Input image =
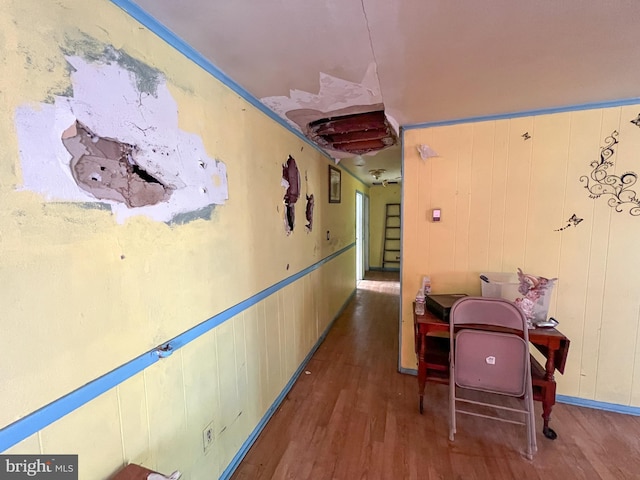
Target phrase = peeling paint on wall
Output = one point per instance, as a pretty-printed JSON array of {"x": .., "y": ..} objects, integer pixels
[
  {"x": 291, "y": 181},
  {"x": 309, "y": 212},
  {"x": 120, "y": 122}
]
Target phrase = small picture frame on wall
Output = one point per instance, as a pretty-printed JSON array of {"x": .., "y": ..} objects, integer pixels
[{"x": 335, "y": 184}]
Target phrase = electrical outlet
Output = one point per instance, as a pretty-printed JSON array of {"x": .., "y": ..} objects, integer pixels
[{"x": 207, "y": 436}]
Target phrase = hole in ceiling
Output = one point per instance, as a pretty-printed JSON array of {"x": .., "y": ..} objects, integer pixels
[{"x": 355, "y": 134}]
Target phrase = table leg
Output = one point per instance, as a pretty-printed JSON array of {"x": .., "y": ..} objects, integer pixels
[
  {"x": 422, "y": 371},
  {"x": 549, "y": 398}
]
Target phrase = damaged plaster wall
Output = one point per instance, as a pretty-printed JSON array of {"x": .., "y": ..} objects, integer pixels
[
  {"x": 309, "y": 212},
  {"x": 83, "y": 295},
  {"x": 336, "y": 96},
  {"x": 291, "y": 181},
  {"x": 105, "y": 168},
  {"x": 128, "y": 151}
]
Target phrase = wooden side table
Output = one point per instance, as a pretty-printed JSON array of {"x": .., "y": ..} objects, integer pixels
[{"x": 432, "y": 350}]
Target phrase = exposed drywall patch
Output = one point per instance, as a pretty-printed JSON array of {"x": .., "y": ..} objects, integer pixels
[
  {"x": 107, "y": 170},
  {"x": 335, "y": 97},
  {"x": 291, "y": 181},
  {"x": 120, "y": 100}
]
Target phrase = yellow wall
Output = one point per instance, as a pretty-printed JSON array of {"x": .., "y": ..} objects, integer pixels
[
  {"x": 503, "y": 200},
  {"x": 230, "y": 375},
  {"x": 379, "y": 196},
  {"x": 82, "y": 294}
]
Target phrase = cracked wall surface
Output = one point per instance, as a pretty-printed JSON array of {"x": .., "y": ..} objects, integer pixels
[{"x": 116, "y": 106}]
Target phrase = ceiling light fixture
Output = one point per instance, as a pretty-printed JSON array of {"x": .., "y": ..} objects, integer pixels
[{"x": 377, "y": 173}]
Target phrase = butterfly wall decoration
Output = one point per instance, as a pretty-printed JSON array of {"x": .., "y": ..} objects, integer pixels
[{"x": 572, "y": 222}]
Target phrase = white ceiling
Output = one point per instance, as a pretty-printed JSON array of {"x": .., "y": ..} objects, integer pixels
[{"x": 434, "y": 60}]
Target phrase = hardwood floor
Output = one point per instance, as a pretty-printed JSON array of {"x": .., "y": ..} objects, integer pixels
[{"x": 355, "y": 417}]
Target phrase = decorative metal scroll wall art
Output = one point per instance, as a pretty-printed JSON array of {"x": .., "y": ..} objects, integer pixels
[{"x": 617, "y": 188}]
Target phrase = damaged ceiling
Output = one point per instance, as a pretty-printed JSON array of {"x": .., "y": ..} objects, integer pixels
[
  {"x": 355, "y": 134},
  {"x": 418, "y": 61}
]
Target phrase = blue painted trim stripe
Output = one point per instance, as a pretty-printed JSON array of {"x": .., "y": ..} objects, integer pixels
[
  {"x": 186, "y": 337},
  {"x": 36, "y": 421},
  {"x": 39, "y": 419},
  {"x": 196, "y": 57},
  {"x": 609, "y": 407},
  {"x": 381, "y": 269},
  {"x": 409, "y": 371},
  {"x": 244, "y": 449},
  {"x": 526, "y": 113}
]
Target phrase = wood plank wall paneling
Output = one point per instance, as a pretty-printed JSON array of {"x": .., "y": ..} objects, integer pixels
[
  {"x": 230, "y": 376},
  {"x": 480, "y": 194},
  {"x": 517, "y": 194},
  {"x": 620, "y": 308},
  {"x": 506, "y": 200},
  {"x": 497, "y": 189}
]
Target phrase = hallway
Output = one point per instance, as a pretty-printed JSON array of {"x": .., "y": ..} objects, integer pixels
[{"x": 351, "y": 415}]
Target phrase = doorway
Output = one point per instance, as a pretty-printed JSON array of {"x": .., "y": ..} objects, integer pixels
[{"x": 362, "y": 237}]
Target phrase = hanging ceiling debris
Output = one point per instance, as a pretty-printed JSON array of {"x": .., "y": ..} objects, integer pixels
[
  {"x": 355, "y": 134},
  {"x": 344, "y": 118}
]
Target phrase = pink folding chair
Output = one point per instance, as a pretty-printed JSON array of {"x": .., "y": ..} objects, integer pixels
[{"x": 489, "y": 341}]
